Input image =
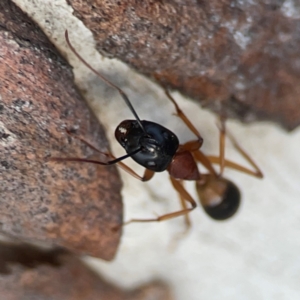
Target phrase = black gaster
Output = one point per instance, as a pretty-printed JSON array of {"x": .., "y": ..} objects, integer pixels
[
  {"x": 158, "y": 145},
  {"x": 229, "y": 205}
]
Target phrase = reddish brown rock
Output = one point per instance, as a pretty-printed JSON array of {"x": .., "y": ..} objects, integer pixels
[
  {"x": 73, "y": 205},
  {"x": 30, "y": 273},
  {"x": 236, "y": 57}
]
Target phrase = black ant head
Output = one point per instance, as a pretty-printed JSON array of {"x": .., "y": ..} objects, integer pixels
[
  {"x": 157, "y": 144},
  {"x": 219, "y": 196}
]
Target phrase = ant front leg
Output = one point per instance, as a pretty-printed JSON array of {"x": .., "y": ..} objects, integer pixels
[
  {"x": 192, "y": 145},
  {"x": 148, "y": 174},
  {"x": 183, "y": 195}
]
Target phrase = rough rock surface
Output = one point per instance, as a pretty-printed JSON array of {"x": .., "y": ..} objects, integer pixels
[
  {"x": 238, "y": 58},
  {"x": 27, "y": 273},
  {"x": 74, "y": 205}
]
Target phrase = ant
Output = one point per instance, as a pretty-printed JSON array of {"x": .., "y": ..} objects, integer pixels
[{"x": 157, "y": 149}]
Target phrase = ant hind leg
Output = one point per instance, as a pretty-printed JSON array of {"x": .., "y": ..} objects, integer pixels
[{"x": 183, "y": 194}]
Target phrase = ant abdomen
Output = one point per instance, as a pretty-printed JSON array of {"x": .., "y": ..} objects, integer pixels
[{"x": 219, "y": 197}]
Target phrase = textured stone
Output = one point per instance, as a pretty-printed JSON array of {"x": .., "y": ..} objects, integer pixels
[
  {"x": 73, "y": 205},
  {"x": 27, "y": 273},
  {"x": 238, "y": 58}
]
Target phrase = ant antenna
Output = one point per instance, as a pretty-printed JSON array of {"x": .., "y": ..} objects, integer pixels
[{"x": 124, "y": 96}]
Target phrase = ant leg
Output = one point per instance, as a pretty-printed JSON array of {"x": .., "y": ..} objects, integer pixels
[
  {"x": 180, "y": 235},
  {"x": 245, "y": 155},
  {"x": 205, "y": 161},
  {"x": 222, "y": 129},
  {"x": 235, "y": 166},
  {"x": 183, "y": 193},
  {"x": 193, "y": 147},
  {"x": 108, "y": 163},
  {"x": 84, "y": 142},
  {"x": 148, "y": 174},
  {"x": 223, "y": 162},
  {"x": 186, "y": 120},
  {"x": 186, "y": 216}
]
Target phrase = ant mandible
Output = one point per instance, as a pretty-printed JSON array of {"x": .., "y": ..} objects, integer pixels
[{"x": 157, "y": 149}]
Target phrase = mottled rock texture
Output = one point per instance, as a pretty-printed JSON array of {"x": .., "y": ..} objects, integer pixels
[
  {"x": 27, "y": 273},
  {"x": 72, "y": 205},
  {"x": 239, "y": 58}
]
